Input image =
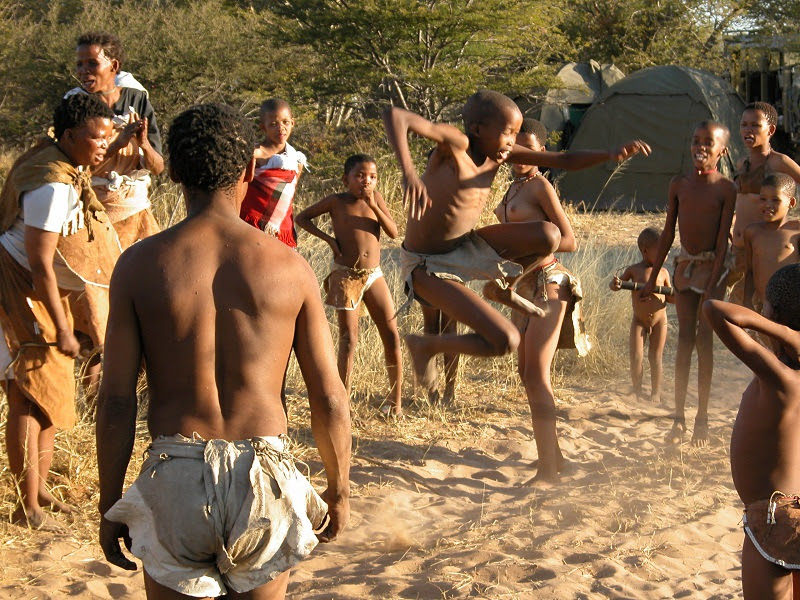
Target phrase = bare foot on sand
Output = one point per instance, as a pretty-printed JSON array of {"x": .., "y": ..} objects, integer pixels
[
  {"x": 675, "y": 435},
  {"x": 47, "y": 499},
  {"x": 36, "y": 518},
  {"x": 390, "y": 411},
  {"x": 700, "y": 434},
  {"x": 655, "y": 398},
  {"x": 423, "y": 361},
  {"x": 543, "y": 481},
  {"x": 510, "y": 298}
]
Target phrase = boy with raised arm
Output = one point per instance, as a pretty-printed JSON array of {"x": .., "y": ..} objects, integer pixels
[
  {"x": 701, "y": 203},
  {"x": 219, "y": 504},
  {"x": 442, "y": 250},
  {"x": 358, "y": 216},
  {"x": 765, "y": 462},
  {"x": 773, "y": 242},
  {"x": 649, "y": 319},
  {"x": 758, "y": 124}
]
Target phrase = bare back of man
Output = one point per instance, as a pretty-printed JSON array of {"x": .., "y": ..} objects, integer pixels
[{"x": 214, "y": 307}]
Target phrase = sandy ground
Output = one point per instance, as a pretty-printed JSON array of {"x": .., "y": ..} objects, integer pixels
[{"x": 446, "y": 517}]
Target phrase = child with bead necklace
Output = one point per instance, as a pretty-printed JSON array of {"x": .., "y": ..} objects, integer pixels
[
  {"x": 552, "y": 287},
  {"x": 702, "y": 204}
]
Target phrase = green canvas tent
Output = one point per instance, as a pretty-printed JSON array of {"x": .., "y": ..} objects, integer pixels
[
  {"x": 564, "y": 107},
  {"x": 660, "y": 105}
]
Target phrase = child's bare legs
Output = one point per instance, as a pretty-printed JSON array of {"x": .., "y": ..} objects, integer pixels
[
  {"x": 29, "y": 443},
  {"x": 379, "y": 303},
  {"x": 434, "y": 322},
  {"x": 705, "y": 372},
  {"x": 513, "y": 241},
  {"x": 655, "y": 353},
  {"x": 348, "y": 338},
  {"x": 494, "y": 335},
  {"x": 637, "y": 336},
  {"x": 686, "y": 306},
  {"x": 449, "y": 327},
  {"x": 535, "y": 359},
  {"x": 762, "y": 579}
]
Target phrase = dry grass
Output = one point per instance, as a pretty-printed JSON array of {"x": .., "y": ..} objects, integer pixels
[{"x": 607, "y": 243}]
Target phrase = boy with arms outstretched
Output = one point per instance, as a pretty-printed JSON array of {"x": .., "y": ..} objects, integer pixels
[
  {"x": 758, "y": 124},
  {"x": 773, "y": 242},
  {"x": 219, "y": 504},
  {"x": 765, "y": 443},
  {"x": 358, "y": 216},
  {"x": 442, "y": 250},
  {"x": 701, "y": 203},
  {"x": 649, "y": 314}
]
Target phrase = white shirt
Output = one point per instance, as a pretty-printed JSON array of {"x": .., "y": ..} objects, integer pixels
[{"x": 53, "y": 207}]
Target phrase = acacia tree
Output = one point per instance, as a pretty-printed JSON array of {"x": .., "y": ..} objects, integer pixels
[
  {"x": 640, "y": 33},
  {"x": 424, "y": 55}
]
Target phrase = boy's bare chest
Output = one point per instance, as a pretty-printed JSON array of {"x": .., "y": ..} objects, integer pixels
[{"x": 779, "y": 245}]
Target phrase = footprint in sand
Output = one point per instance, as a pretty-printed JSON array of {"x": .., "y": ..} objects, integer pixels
[{"x": 490, "y": 475}]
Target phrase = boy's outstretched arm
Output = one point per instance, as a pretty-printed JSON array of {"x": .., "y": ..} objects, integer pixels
[
  {"x": 574, "y": 160},
  {"x": 666, "y": 239},
  {"x": 304, "y": 221},
  {"x": 398, "y": 123},
  {"x": 730, "y": 321},
  {"x": 378, "y": 206}
]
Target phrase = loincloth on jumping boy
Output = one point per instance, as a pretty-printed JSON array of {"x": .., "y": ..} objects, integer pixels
[
  {"x": 473, "y": 259},
  {"x": 693, "y": 271},
  {"x": 205, "y": 516},
  {"x": 774, "y": 528},
  {"x": 533, "y": 286},
  {"x": 345, "y": 286}
]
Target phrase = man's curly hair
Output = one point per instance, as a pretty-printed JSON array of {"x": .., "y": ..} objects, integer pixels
[
  {"x": 769, "y": 111},
  {"x": 108, "y": 42},
  {"x": 782, "y": 294},
  {"x": 209, "y": 146},
  {"x": 76, "y": 110}
]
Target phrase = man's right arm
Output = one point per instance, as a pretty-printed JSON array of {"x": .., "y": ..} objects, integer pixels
[
  {"x": 330, "y": 405},
  {"x": 116, "y": 407}
]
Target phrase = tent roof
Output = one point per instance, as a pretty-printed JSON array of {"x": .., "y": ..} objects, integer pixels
[
  {"x": 583, "y": 82},
  {"x": 660, "y": 105}
]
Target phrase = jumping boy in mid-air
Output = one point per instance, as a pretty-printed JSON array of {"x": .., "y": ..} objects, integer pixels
[
  {"x": 765, "y": 462},
  {"x": 701, "y": 203},
  {"x": 758, "y": 124},
  {"x": 268, "y": 203},
  {"x": 442, "y": 250},
  {"x": 358, "y": 216},
  {"x": 649, "y": 314},
  {"x": 772, "y": 243}
]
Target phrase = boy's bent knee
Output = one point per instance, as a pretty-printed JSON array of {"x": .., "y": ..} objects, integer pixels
[{"x": 552, "y": 236}]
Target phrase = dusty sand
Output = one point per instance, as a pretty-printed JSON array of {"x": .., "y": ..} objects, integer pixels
[{"x": 445, "y": 516}]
